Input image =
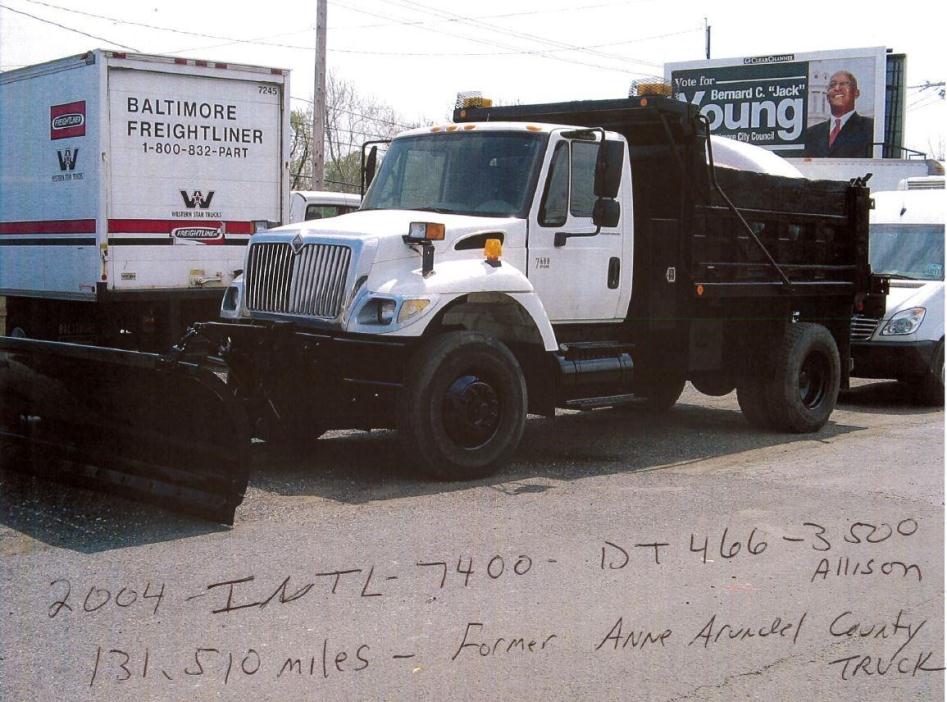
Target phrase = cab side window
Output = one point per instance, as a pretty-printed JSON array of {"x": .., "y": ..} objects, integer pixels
[{"x": 555, "y": 205}]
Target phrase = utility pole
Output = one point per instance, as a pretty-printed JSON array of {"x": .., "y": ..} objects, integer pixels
[
  {"x": 707, "y": 32},
  {"x": 317, "y": 144}
]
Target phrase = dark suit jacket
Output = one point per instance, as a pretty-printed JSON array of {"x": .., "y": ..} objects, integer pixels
[{"x": 853, "y": 141}]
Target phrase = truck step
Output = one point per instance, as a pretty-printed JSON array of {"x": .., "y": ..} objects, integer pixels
[
  {"x": 591, "y": 403},
  {"x": 591, "y": 349}
]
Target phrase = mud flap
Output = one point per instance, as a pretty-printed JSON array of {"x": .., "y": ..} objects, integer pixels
[{"x": 146, "y": 426}]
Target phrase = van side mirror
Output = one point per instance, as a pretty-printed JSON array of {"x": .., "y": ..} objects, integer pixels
[
  {"x": 608, "y": 167},
  {"x": 606, "y": 213}
]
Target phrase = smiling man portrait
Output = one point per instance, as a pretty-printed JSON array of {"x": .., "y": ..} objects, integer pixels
[{"x": 847, "y": 134}]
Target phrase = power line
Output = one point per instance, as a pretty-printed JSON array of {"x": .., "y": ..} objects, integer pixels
[
  {"x": 68, "y": 29},
  {"x": 512, "y": 33},
  {"x": 356, "y": 114},
  {"x": 517, "y": 53},
  {"x": 400, "y": 21},
  {"x": 145, "y": 25},
  {"x": 488, "y": 42},
  {"x": 505, "y": 15}
]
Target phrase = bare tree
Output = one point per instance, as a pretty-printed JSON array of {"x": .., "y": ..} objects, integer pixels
[{"x": 351, "y": 120}]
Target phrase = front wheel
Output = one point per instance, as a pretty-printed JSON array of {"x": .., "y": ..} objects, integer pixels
[
  {"x": 930, "y": 389},
  {"x": 463, "y": 407},
  {"x": 805, "y": 385}
]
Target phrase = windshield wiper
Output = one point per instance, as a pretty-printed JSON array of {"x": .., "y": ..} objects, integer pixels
[{"x": 438, "y": 210}]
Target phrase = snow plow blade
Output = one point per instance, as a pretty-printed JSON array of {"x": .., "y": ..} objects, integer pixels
[{"x": 151, "y": 427}]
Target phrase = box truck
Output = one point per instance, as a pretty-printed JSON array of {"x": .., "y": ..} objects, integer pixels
[{"x": 129, "y": 187}]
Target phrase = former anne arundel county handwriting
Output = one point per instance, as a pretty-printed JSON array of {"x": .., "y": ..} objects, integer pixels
[{"x": 816, "y": 558}]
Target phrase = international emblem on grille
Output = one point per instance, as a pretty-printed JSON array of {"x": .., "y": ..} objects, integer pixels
[{"x": 297, "y": 244}]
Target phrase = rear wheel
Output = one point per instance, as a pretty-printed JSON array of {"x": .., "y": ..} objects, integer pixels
[
  {"x": 805, "y": 384},
  {"x": 463, "y": 407}
]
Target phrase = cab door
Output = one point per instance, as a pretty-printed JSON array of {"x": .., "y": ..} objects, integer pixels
[{"x": 576, "y": 272}]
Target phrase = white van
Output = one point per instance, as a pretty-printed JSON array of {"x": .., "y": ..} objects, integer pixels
[
  {"x": 318, "y": 204},
  {"x": 907, "y": 244}
]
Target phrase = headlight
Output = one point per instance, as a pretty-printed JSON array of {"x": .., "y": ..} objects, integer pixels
[
  {"x": 377, "y": 311},
  {"x": 904, "y": 322}
]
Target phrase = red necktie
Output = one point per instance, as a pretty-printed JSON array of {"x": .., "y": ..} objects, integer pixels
[{"x": 835, "y": 130}]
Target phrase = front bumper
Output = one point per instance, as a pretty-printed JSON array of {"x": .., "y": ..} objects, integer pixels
[
  {"x": 337, "y": 380},
  {"x": 892, "y": 359}
]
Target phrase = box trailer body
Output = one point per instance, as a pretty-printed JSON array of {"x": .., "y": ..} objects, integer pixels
[{"x": 129, "y": 187}]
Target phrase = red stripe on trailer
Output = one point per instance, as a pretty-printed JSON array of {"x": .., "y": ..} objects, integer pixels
[
  {"x": 49, "y": 226},
  {"x": 166, "y": 226}
]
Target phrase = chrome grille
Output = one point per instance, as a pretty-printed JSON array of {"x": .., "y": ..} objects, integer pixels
[
  {"x": 863, "y": 327},
  {"x": 311, "y": 282}
]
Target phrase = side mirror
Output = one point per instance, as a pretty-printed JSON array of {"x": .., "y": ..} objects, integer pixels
[
  {"x": 371, "y": 165},
  {"x": 608, "y": 166},
  {"x": 606, "y": 213}
]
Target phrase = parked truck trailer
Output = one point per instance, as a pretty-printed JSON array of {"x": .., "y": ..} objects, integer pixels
[{"x": 129, "y": 187}]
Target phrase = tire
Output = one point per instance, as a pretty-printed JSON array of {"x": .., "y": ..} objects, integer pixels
[
  {"x": 661, "y": 392},
  {"x": 805, "y": 384},
  {"x": 751, "y": 395},
  {"x": 929, "y": 391},
  {"x": 463, "y": 408}
]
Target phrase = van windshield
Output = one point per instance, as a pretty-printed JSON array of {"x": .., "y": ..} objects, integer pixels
[
  {"x": 914, "y": 251},
  {"x": 490, "y": 174}
]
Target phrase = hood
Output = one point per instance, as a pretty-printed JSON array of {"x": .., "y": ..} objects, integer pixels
[
  {"x": 387, "y": 227},
  {"x": 904, "y": 294}
]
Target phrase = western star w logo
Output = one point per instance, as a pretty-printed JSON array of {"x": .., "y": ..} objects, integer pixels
[
  {"x": 198, "y": 199},
  {"x": 67, "y": 159}
]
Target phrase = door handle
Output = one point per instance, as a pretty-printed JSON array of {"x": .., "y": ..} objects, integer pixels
[{"x": 614, "y": 272}]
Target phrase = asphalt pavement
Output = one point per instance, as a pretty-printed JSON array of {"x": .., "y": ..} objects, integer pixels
[{"x": 622, "y": 555}]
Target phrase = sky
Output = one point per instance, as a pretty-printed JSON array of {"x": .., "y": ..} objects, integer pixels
[{"x": 416, "y": 56}]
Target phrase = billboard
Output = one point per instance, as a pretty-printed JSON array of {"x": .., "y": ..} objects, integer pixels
[{"x": 818, "y": 104}]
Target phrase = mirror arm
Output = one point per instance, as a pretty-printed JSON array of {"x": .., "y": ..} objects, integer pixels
[{"x": 561, "y": 237}]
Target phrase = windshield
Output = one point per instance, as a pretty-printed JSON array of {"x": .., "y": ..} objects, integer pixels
[
  {"x": 914, "y": 251},
  {"x": 490, "y": 174}
]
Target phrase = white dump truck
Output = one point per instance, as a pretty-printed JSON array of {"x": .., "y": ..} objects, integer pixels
[
  {"x": 519, "y": 260},
  {"x": 129, "y": 187}
]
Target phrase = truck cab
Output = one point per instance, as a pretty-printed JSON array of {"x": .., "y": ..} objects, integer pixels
[
  {"x": 907, "y": 245},
  {"x": 319, "y": 204}
]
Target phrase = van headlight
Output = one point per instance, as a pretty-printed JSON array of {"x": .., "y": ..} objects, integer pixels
[{"x": 904, "y": 322}]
